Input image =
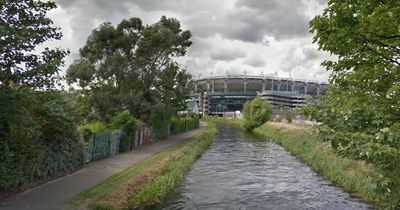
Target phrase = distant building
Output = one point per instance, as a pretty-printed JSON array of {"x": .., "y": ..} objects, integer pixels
[
  {"x": 218, "y": 95},
  {"x": 284, "y": 98}
]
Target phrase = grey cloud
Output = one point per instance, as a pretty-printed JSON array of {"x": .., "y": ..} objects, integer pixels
[
  {"x": 227, "y": 54},
  {"x": 281, "y": 19},
  {"x": 255, "y": 61},
  {"x": 262, "y": 22}
]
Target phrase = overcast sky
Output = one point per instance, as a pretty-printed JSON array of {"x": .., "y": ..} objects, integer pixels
[{"x": 229, "y": 36}]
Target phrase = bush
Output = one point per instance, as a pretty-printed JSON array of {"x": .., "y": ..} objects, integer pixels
[
  {"x": 93, "y": 127},
  {"x": 256, "y": 112},
  {"x": 179, "y": 125},
  {"x": 125, "y": 121},
  {"x": 160, "y": 120},
  {"x": 288, "y": 116},
  {"x": 38, "y": 140}
]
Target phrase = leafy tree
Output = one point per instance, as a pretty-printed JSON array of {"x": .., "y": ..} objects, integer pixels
[
  {"x": 125, "y": 121},
  {"x": 38, "y": 135},
  {"x": 256, "y": 112},
  {"x": 360, "y": 114},
  {"x": 132, "y": 66},
  {"x": 24, "y": 26}
]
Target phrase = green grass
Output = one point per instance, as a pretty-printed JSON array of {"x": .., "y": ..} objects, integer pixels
[
  {"x": 351, "y": 175},
  {"x": 147, "y": 182},
  {"x": 227, "y": 121}
]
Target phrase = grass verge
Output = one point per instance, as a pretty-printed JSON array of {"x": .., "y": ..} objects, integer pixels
[
  {"x": 147, "y": 183},
  {"x": 351, "y": 175}
]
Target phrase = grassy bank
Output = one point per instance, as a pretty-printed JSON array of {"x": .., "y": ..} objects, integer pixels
[
  {"x": 147, "y": 183},
  {"x": 352, "y": 176}
]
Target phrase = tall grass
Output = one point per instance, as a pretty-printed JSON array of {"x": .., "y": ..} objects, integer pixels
[{"x": 351, "y": 175}]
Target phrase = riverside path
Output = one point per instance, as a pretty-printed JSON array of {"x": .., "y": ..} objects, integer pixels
[{"x": 52, "y": 195}]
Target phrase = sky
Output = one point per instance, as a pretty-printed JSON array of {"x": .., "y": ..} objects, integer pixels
[{"x": 252, "y": 37}]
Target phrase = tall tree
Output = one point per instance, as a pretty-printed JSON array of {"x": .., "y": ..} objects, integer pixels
[
  {"x": 132, "y": 66},
  {"x": 360, "y": 115},
  {"x": 24, "y": 26}
]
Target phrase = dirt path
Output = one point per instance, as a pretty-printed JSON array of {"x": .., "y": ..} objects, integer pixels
[{"x": 52, "y": 195}]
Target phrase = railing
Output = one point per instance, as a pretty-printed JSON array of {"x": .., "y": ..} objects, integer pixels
[{"x": 261, "y": 77}]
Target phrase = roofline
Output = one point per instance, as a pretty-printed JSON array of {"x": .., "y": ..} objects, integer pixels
[{"x": 263, "y": 77}]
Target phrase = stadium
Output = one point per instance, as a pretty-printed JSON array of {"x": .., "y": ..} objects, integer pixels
[{"x": 216, "y": 95}]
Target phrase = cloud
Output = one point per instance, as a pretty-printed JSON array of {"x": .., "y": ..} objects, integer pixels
[
  {"x": 227, "y": 54},
  {"x": 255, "y": 61},
  {"x": 256, "y": 35}
]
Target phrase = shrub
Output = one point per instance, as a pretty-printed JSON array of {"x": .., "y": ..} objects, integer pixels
[
  {"x": 125, "y": 121},
  {"x": 160, "y": 120},
  {"x": 93, "y": 127},
  {"x": 256, "y": 113},
  {"x": 38, "y": 140},
  {"x": 179, "y": 125},
  {"x": 288, "y": 116}
]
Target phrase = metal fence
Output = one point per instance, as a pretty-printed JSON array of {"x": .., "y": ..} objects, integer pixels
[
  {"x": 103, "y": 144},
  {"x": 107, "y": 143}
]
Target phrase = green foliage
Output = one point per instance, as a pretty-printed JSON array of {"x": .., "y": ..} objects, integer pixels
[
  {"x": 131, "y": 66},
  {"x": 256, "y": 112},
  {"x": 179, "y": 125},
  {"x": 104, "y": 205},
  {"x": 167, "y": 167},
  {"x": 173, "y": 171},
  {"x": 24, "y": 26},
  {"x": 353, "y": 176},
  {"x": 288, "y": 115},
  {"x": 160, "y": 119},
  {"x": 42, "y": 140},
  {"x": 37, "y": 127},
  {"x": 93, "y": 127},
  {"x": 360, "y": 113},
  {"x": 125, "y": 121}
]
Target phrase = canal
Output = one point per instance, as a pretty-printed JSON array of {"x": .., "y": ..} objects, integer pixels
[{"x": 239, "y": 172}]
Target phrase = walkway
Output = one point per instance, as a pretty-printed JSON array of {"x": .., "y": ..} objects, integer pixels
[{"x": 52, "y": 195}]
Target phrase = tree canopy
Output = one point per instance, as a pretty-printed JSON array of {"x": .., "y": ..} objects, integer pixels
[
  {"x": 360, "y": 115},
  {"x": 23, "y": 27},
  {"x": 256, "y": 112},
  {"x": 132, "y": 66}
]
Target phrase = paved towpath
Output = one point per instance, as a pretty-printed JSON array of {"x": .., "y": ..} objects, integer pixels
[{"x": 52, "y": 195}]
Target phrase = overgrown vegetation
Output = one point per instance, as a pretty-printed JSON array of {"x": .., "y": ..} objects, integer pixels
[
  {"x": 179, "y": 125},
  {"x": 38, "y": 135},
  {"x": 360, "y": 114},
  {"x": 147, "y": 183},
  {"x": 131, "y": 67},
  {"x": 125, "y": 73},
  {"x": 256, "y": 112},
  {"x": 352, "y": 175}
]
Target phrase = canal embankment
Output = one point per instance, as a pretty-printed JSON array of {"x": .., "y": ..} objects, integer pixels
[
  {"x": 352, "y": 176},
  {"x": 148, "y": 182}
]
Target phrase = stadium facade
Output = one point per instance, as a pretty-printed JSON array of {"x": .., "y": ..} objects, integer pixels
[{"x": 216, "y": 95}]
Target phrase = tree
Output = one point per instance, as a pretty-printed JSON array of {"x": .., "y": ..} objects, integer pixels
[
  {"x": 38, "y": 136},
  {"x": 132, "y": 66},
  {"x": 24, "y": 26},
  {"x": 360, "y": 114},
  {"x": 256, "y": 112}
]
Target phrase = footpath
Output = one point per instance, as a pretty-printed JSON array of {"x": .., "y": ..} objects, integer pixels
[{"x": 52, "y": 195}]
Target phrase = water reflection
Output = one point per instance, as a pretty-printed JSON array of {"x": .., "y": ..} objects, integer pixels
[{"x": 238, "y": 174}]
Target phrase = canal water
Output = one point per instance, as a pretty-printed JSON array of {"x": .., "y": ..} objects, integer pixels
[{"x": 239, "y": 172}]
